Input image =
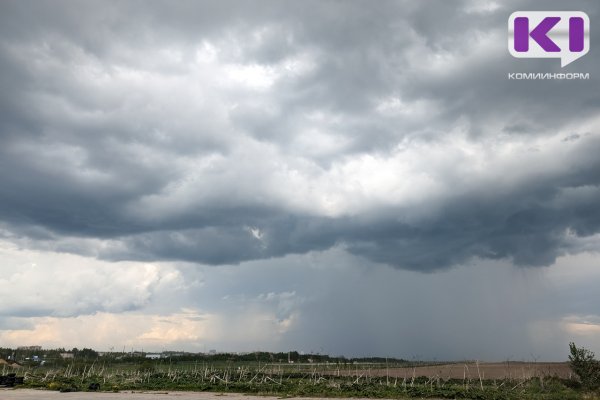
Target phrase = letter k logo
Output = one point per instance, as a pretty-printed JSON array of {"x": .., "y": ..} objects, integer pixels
[{"x": 539, "y": 34}]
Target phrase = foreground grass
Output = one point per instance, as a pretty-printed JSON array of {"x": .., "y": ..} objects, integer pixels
[{"x": 281, "y": 382}]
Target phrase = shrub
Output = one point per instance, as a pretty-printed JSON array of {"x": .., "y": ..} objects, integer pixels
[{"x": 585, "y": 366}]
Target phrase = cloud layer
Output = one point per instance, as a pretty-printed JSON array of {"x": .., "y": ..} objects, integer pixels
[
  {"x": 145, "y": 138},
  {"x": 401, "y": 140}
]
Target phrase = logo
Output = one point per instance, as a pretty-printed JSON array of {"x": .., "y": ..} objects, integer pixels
[{"x": 549, "y": 34}]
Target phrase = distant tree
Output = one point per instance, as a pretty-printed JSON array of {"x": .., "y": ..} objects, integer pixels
[
  {"x": 586, "y": 367},
  {"x": 294, "y": 356},
  {"x": 85, "y": 353}
]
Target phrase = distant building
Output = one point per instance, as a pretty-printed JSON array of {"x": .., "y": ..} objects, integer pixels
[
  {"x": 153, "y": 356},
  {"x": 67, "y": 355}
]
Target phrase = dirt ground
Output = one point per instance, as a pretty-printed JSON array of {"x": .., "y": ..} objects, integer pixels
[
  {"x": 28, "y": 394},
  {"x": 470, "y": 370}
]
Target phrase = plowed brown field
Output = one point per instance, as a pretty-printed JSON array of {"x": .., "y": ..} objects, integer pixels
[{"x": 471, "y": 370}]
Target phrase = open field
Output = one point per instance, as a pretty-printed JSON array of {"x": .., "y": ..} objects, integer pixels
[
  {"x": 193, "y": 380},
  {"x": 471, "y": 370}
]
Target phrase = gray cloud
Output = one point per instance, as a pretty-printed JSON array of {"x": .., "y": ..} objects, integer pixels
[{"x": 177, "y": 133}]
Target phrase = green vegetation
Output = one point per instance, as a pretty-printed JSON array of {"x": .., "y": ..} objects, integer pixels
[
  {"x": 270, "y": 380},
  {"x": 585, "y": 366},
  {"x": 275, "y": 374},
  {"x": 55, "y": 357}
]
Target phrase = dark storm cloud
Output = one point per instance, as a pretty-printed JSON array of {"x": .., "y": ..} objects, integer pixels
[
  {"x": 528, "y": 226},
  {"x": 96, "y": 122}
]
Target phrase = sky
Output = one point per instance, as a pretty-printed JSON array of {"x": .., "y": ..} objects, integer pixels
[{"x": 338, "y": 177}]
